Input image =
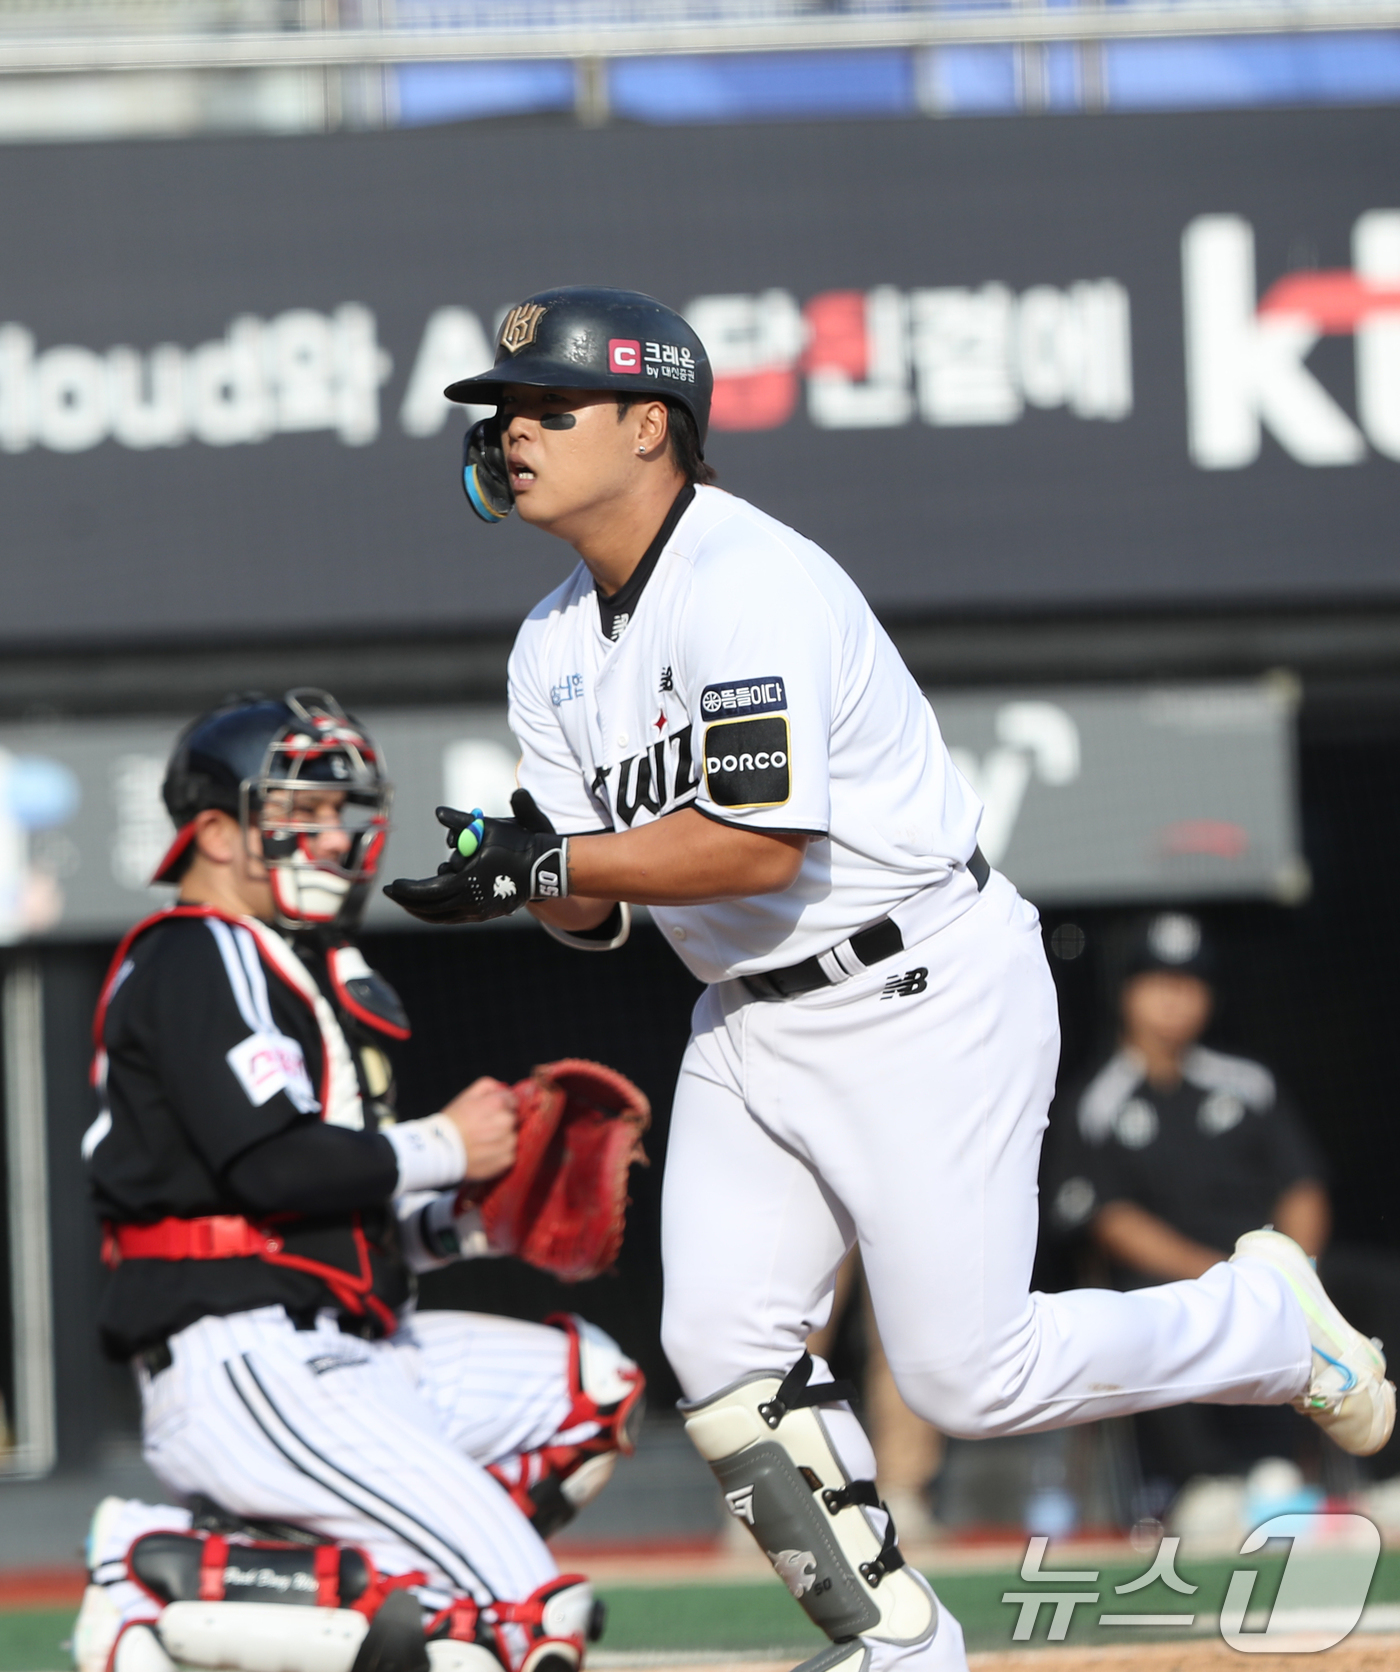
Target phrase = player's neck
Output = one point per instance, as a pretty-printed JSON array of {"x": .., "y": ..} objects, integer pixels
[
  {"x": 613, "y": 538},
  {"x": 1161, "y": 1058},
  {"x": 207, "y": 884}
]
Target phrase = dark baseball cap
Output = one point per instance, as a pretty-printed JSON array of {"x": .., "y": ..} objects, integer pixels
[{"x": 1172, "y": 943}]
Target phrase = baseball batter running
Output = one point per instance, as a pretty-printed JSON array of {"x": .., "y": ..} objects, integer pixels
[
  {"x": 712, "y": 723},
  {"x": 392, "y": 1474}
]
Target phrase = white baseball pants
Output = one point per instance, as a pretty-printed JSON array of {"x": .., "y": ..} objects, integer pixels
[
  {"x": 378, "y": 1443},
  {"x": 912, "y": 1123}
]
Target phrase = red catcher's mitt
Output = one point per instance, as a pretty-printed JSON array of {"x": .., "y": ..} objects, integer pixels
[{"x": 563, "y": 1205}]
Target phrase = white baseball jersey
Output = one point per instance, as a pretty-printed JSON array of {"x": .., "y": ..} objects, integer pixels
[
  {"x": 754, "y": 683},
  {"x": 901, "y": 1107}
]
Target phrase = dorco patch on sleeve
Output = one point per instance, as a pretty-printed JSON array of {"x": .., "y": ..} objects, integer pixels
[
  {"x": 746, "y": 763},
  {"x": 266, "y": 1063},
  {"x": 744, "y": 696}
]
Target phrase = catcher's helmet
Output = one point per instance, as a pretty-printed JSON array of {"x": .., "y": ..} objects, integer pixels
[
  {"x": 588, "y": 337},
  {"x": 253, "y": 757}
]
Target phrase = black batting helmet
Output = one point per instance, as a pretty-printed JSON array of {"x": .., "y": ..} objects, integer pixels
[{"x": 589, "y": 337}]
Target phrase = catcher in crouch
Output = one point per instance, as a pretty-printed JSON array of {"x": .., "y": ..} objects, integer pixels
[{"x": 393, "y": 1475}]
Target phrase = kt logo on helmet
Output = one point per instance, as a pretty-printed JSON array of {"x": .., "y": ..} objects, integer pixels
[{"x": 624, "y": 356}]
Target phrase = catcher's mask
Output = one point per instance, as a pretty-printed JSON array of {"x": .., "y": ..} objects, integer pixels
[
  {"x": 580, "y": 337},
  {"x": 308, "y": 779}
]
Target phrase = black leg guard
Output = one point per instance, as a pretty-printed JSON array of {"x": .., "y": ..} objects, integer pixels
[{"x": 394, "y": 1641}]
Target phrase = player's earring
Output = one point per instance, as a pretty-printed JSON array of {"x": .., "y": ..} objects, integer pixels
[{"x": 641, "y": 449}]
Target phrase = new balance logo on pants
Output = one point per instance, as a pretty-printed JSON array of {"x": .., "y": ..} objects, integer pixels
[{"x": 906, "y": 985}]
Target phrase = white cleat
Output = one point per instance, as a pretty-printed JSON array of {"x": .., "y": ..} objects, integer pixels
[
  {"x": 1348, "y": 1396},
  {"x": 96, "y": 1630},
  {"x": 140, "y": 1650},
  {"x": 445, "y": 1656}
]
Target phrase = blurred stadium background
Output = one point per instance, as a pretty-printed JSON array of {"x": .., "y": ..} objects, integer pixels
[{"x": 1072, "y": 330}]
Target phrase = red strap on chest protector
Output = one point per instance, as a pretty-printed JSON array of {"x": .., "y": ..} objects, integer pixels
[
  {"x": 223, "y": 1236},
  {"x": 228, "y": 1236}
]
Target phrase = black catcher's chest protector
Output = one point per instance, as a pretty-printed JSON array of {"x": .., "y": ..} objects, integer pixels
[{"x": 177, "y": 1238}]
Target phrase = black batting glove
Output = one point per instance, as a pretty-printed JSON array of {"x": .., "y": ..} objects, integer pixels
[
  {"x": 495, "y": 866},
  {"x": 527, "y": 814}
]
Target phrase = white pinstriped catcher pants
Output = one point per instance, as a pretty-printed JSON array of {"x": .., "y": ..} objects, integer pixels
[{"x": 377, "y": 1443}]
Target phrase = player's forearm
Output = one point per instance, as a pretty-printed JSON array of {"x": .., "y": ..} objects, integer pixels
[
  {"x": 315, "y": 1169},
  {"x": 432, "y": 1233},
  {"x": 1144, "y": 1243},
  {"x": 1304, "y": 1213},
  {"x": 575, "y": 916},
  {"x": 683, "y": 859}
]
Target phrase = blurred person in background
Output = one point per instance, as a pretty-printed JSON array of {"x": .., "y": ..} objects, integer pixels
[
  {"x": 908, "y": 1450},
  {"x": 1163, "y": 1156},
  {"x": 263, "y": 1214}
]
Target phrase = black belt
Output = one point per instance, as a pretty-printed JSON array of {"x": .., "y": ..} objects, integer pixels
[
  {"x": 871, "y": 946},
  {"x": 158, "y": 1357},
  {"x": 154, "y": 1359}
]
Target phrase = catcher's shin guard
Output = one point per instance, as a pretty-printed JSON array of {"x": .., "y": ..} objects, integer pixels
[
  {"x": 550, "y": 1485},
  {"x": 769, "y": 1449},
  {"x": 268, "y": 1637},
  {"x": 544, "y": 1633},
  {"x": 238, "y": 1601}
]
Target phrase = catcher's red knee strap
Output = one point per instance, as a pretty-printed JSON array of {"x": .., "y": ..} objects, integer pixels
[
  {"x": 605, "y": 1387},
  {"x": 326, "y": 1566},
  {"x": 458, "y": 1622},
  {"x": 560, "y": 1617},
  {"x": 383, "y": 1586},
  {"x": 213, "y": 1562},
  {"x": 534, "y": 1611},
  {"x": 607, "y": 1400}
]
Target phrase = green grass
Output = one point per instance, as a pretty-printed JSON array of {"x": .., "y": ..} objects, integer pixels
[
  {"x": 30, "y": 1639},
  {"x": 708, "y": 1616},
  {"x": 762, "y": 1617}
]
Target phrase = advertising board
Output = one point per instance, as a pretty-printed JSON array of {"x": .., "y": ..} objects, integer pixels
[{"x": 1019, "y": 365}]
